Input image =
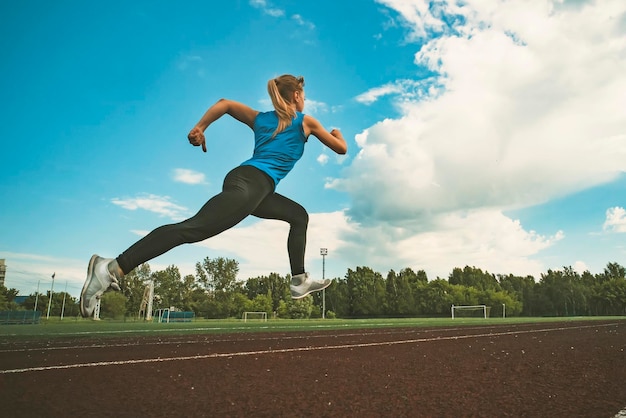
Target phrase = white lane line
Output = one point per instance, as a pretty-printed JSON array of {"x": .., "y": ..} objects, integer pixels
[
  {"x": 292, "y": 350},
  {"x": 209, "y": 340},
  {"x": 260, "y": 328}
]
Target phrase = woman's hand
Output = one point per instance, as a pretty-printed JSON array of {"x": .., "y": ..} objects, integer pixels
[
  {"x": 336, "y": 133},
  {"x": 196, "y": 138}
]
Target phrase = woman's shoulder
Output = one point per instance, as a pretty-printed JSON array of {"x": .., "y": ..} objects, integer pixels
[
  {"x": 269, "y": 113},
  {"x": 266, "y": 116},
  {"x": 300, "y": 117}
]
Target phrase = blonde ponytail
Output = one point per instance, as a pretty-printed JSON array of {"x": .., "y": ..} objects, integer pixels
[{"x": 281, "y": 91}]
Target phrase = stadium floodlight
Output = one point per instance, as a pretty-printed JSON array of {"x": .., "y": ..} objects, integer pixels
[
  {"x": 36, "y": 298},
  {"x": 324, "y": 253},
  {"x": 51, "y": 293},
  {"x": 96, "y": 312}
]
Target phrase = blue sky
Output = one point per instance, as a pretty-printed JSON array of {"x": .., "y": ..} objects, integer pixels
[{"x": 479, "y": 133}]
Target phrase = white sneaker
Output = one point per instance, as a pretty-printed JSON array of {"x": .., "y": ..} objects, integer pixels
[
  {"x": 99, "y": 279},
  {"x": 307, "y": 286}
]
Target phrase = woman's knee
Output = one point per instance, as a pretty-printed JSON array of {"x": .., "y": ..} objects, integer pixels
[
  {"x": 194, "y": 229},
  {"x": 301, "y": 217}
]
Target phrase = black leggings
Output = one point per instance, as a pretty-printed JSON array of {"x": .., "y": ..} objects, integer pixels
[{"x": 246, "y": 191}]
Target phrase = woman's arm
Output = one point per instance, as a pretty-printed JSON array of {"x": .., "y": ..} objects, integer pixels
[
  {"x": 333, "y": 139},
  {"x": 239, "y": 111}
]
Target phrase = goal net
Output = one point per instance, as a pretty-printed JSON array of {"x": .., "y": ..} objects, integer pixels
[
  {"x": 473, "y": 311},
  {"x": 259, "y": 316}
]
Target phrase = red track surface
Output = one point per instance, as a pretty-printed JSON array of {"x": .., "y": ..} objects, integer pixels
[{"x": 570, "y": 369}]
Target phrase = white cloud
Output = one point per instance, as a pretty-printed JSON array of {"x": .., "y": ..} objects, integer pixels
[
  {"x": 485, "y": 239},
  {"x": 419, "y": 15},
  {"x": 522, "y": 119},
  {"x": 161, "y": 205},
  {"x": 25, "y": 272},
  {"x": 266, "y": 8},
  {"x": 274, "y": 12},
  {"x": 314, "y": 107},
  {"x": 526, "y": 108},
  {"x": 615, "y": 220},
  {"x": 580, "y": 267},
  {"x": 322, "y": 159},
  {"x": 375, "y": 93},
  {"x": 404, "y": 90},
  {"x": 140, "y": 232},
  {"x": 302, "y": 22},
  {"x": 243, "y": 244},
  {"x": 184, "y": 175}
]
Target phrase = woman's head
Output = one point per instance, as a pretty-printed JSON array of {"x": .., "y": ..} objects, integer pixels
[{"x": 287, "y": 94}]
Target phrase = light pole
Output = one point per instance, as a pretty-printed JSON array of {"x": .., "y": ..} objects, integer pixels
[
  {"x": 63, "y": 307},
  {"x": 50, "y": 300},
  {"x": 36, "y": 299},
  {"x": 323, "y": 253}
]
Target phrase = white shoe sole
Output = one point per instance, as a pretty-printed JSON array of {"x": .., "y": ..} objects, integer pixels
[
  {"x": 110, "y": 282},
  {"x": 308, "y": 292},
  {"x": 90, "y": 268}
]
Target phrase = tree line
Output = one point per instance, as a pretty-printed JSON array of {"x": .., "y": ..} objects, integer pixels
[{"x": 215, "y": 292}]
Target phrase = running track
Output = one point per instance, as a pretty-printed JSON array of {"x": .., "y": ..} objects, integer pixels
[{"x": 554, "y": 369}]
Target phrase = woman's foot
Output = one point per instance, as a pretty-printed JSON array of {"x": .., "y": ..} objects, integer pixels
[
  {"x": 303, "y": 284},
  {"x": 99, "y": 279}
]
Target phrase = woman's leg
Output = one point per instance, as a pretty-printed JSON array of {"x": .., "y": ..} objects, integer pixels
[
  {"x": 244, "y": 189},
  {"x": 276, "y": 206}
]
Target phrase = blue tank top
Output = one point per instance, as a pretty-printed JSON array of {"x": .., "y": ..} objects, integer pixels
[{"x": 276, "y": 156}]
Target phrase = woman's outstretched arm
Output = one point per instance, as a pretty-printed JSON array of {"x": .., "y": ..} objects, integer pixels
[
  {"x": 239, "y": 111},
  {"x": 333, "y": 139}
]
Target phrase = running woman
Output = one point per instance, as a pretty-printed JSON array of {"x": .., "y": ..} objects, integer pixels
[{"x": 279, "y": 138}]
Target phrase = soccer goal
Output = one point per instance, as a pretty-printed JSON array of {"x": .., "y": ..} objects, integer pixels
[
  {"x": 261, "y": 316},
  {"x": 473, "y": 311}
]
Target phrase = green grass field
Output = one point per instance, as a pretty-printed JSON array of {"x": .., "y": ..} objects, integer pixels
[{"x": 55, "y": 328}]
